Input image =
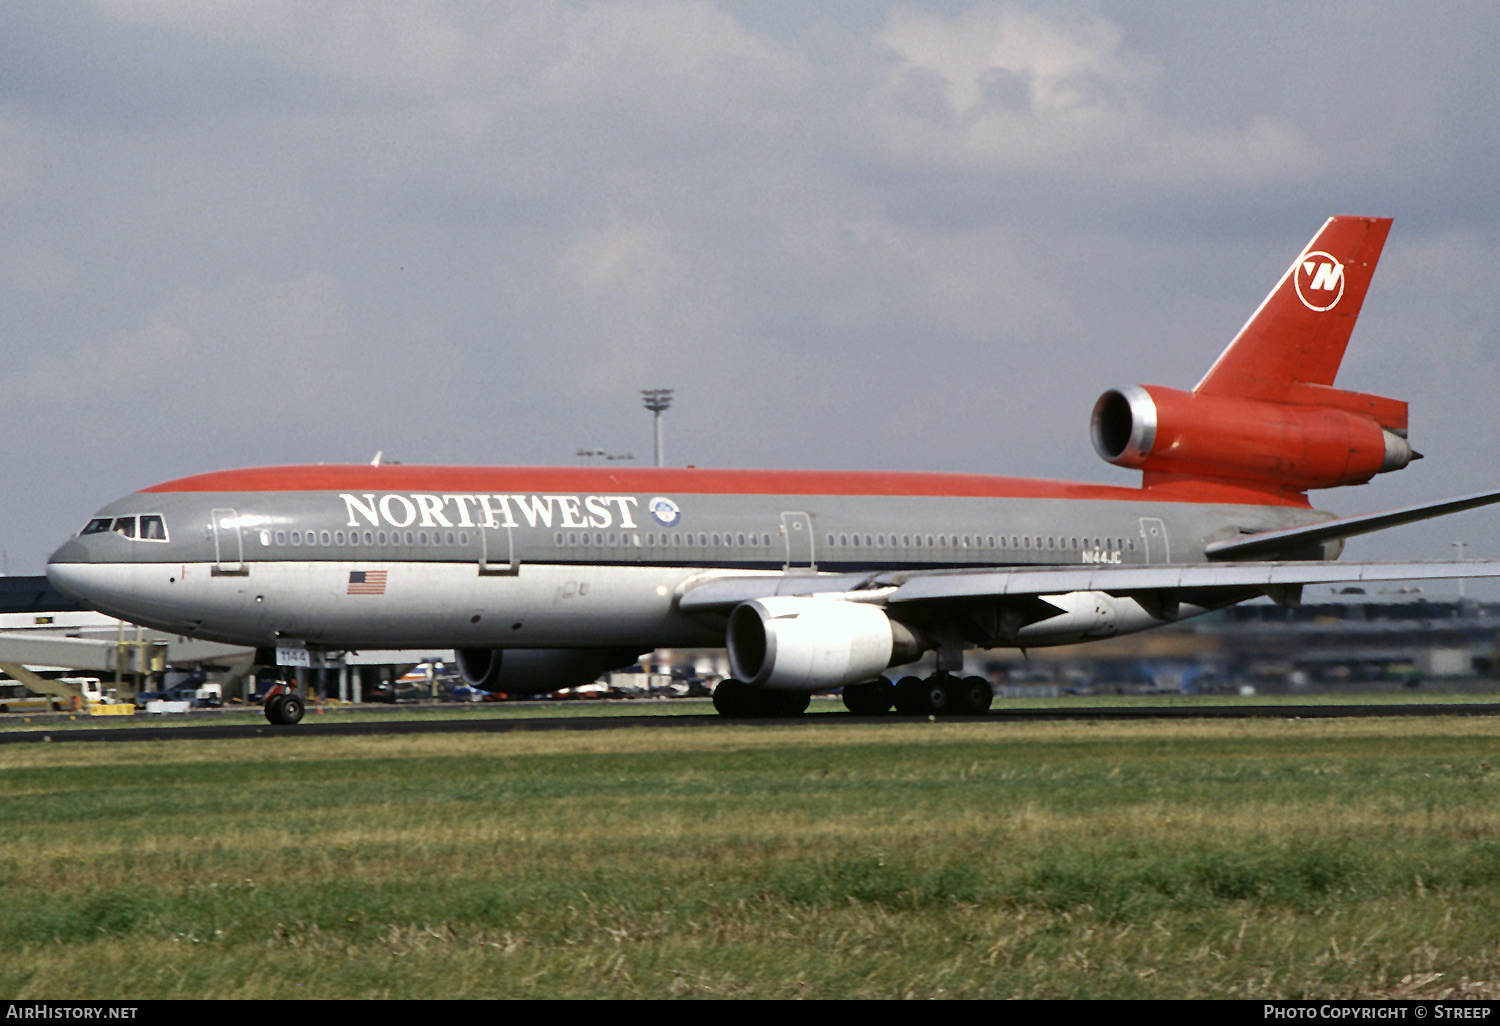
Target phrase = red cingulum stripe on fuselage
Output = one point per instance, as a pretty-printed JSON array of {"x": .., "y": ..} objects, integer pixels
[{"x": 696, "y": 481}]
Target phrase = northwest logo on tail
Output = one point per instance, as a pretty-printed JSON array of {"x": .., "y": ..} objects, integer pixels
[{"x": 1320, "y": 281}]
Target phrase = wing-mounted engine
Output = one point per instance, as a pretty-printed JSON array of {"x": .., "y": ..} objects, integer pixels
[
  {"x": 534, "y": 671},
  {"x": 1166, "y": 432},
  {"x": 811, "y": 644}
]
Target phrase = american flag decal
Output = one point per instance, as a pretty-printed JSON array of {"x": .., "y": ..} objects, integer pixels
[{"x": 367, "y": 582}]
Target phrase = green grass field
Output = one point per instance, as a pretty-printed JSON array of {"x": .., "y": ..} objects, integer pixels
[{"x": 1345, "y": 858}]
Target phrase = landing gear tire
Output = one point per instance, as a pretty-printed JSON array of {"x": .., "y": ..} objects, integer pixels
[
  {"x": 939, "y": 694},
  {"x": 284, "y": 710},
  {"x": 734, "y": 698},
  {"x": 785, "y": 703},
  {"x": 974, "y": 696},
  {"x": 870, "y": 698},
  {"x": 908, "y": 697}
]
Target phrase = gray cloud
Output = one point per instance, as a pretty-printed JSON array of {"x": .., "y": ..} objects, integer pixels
[{"x": 873, "y": 235}]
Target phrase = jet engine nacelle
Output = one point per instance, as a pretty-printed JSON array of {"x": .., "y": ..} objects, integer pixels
[
  {"x": 1169, "y": 431},
  {"x": 811, "y": 644},
  {"x": 534, "y": 671}
]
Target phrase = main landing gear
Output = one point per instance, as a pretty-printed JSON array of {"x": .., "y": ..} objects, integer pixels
[
  {"x": 940, "y": 694},
  {"x": 283, "y": 707}
]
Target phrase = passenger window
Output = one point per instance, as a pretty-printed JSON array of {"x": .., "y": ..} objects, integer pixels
[{"x": 125, "y": 526}]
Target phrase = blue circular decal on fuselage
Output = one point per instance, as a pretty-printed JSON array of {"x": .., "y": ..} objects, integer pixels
[{"x": 664, "y": 510}]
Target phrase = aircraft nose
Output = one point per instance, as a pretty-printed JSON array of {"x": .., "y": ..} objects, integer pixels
[
  {"x": 71, "y": 551},
  {"x": 67, "y": 569}
]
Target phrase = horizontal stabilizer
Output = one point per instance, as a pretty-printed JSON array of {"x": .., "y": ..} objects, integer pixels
[{"x": 1271, "y": 544}]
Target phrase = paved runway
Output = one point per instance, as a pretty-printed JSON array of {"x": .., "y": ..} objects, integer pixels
[{"x": 319, "y": 726}]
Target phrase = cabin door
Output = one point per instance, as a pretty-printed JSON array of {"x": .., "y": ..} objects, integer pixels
[
  {"x": 1154, "y": 539},
  {"x": 229, "y": 544},
  {"x": 497, "y": 552},
  {"x": 797, "y": 528}
]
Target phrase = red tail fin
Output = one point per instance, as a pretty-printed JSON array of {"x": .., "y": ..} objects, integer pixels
[
  {"x": 1266, "y": 416},
  {"x": 1290, "y": 349}
]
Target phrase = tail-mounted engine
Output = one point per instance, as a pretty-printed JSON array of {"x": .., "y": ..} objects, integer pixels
[{"x": 1334, "y": 438}]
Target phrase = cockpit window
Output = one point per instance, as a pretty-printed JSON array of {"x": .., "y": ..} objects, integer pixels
[{"x": 151, "y": 527}]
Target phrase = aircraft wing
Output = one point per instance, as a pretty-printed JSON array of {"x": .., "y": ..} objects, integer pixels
[{"x": 1179, "y": 581}]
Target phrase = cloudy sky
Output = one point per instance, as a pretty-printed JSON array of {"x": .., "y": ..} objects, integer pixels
[{"x": 849, "y": 234}]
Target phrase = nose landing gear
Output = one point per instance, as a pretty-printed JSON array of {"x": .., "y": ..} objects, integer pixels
[{"x": 283, "y": 707}]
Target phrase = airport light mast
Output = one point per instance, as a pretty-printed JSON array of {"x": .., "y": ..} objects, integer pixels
[{"x": 657, "y": 401}]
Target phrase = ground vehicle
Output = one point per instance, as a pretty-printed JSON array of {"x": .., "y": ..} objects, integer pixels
[
  {"x": 61, "y": 694},
  {"x": 15, "y": 698}
]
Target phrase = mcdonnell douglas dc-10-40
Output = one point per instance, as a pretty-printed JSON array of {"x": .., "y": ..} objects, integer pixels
[{"x": 545, "y": 578}]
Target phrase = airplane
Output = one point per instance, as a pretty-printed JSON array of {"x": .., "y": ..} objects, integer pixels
[{"x": 545, "y": 578}]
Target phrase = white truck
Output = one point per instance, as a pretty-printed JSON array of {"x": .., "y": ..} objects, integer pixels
[{"x": 61, "y": 694}]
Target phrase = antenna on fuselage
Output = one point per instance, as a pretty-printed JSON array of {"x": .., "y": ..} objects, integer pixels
[{"x": 376, "y": 461}]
